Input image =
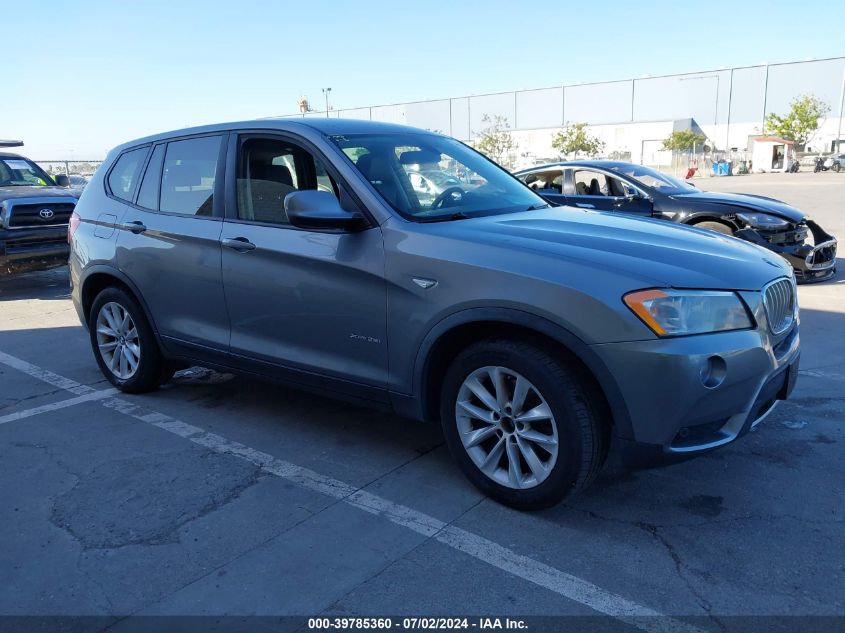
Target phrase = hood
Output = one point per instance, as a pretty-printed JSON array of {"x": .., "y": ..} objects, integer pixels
[
  {"x": 745, "y": 201},
  {"x": 11, "y": 193},
  {"x": 648, "y": 251}
]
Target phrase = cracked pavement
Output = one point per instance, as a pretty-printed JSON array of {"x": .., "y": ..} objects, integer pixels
[{"x": 104, "y": 515}]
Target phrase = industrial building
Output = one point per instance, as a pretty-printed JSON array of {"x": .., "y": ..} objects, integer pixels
[{"x": 633, "y": 116}]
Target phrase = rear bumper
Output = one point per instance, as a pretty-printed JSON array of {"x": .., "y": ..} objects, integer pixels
[
  {"x": 679, "y": 409},
  {"x": 23, "y": 250}
]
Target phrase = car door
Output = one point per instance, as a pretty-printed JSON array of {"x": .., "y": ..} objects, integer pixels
[
  {"x": 594, "y": 189},
  {"x": 547, "y": 183},
  {"x": 308, "y": 301},
  {"x": 169, "y": 241}
]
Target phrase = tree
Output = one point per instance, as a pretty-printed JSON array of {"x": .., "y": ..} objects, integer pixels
[
  {"x": 801, "y": 122},
  {"x": 683, "y": 140},
  {"x": 495, "y": 140},
  {"x": 575, "y": 138}
]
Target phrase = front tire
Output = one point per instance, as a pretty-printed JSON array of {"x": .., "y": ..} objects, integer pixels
[
  {"x": 523, "y": 425},
  {"x": 124, "y": 343},
  {"x": 719, "y": 227}
]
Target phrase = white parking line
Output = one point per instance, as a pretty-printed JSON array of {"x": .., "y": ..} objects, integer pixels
[
  {"x": 47, "y": 376},
  {"x": 55, "y": 406},
  {"x": 480, "y": 548}
]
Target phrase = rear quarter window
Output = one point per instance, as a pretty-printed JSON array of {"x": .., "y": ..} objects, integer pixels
[{"x": 123, "y": 177}]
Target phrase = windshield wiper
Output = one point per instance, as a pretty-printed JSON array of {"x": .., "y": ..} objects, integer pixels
[
  {"x": 534, "y": 207},
  {"x": 458, "y": 215}
]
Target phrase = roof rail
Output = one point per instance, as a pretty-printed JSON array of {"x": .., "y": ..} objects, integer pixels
[{"x": 10, "y": 143}]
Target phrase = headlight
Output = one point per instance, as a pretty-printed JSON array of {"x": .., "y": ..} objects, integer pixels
[
  {"x": 763, "y": 221},
  {"x": 683, "y": 312}
]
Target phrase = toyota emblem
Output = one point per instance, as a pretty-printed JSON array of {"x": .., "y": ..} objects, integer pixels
[{"x": 46, "y": 213}]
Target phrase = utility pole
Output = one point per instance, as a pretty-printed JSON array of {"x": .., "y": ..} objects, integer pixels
[{"x": 326, "y": 92}]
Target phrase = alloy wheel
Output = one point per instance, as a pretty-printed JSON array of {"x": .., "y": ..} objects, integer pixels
[
  {"x": 118, "y": 341},
  {"x": 507, "y": 427}
]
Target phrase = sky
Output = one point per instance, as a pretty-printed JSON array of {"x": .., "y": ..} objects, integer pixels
[{"x": 77, "y": 78}]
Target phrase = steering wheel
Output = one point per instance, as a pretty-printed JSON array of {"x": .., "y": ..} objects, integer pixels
[{"x": 449, "y": 193}]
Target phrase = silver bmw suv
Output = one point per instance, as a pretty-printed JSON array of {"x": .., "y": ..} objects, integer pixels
[{"x": 540, "y": 337}]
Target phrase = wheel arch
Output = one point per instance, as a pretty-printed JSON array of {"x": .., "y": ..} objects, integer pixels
[
  {"x": 710, "y": 216},
  {"x": 97, "y": 279},
  {"x": 456, "y": 332}
]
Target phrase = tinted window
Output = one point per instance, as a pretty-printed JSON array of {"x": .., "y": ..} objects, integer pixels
[
  {"x": 148, "y": 195},
  {"x": 268, "y": 170},
  {"x": 590, "y": 183},
  {"x": 187, "y": 182},
  {"x": 545, "y": 181},
  {"x": 123, "y": 177}
]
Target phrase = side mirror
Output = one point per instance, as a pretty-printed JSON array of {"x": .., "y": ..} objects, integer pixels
[
  {"x": 321, "y": 211},
  {"x": 62, "y": 180}
]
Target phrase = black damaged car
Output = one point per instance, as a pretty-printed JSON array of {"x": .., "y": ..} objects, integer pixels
[{"x": 627, "y": 188}]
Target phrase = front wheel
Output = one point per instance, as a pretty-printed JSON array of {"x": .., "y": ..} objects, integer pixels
[
  {"x": 724, "y": 229},
  {"x": 124, "y": 343},
  {"x": 524, "y": 427},
  {"x": 837, "y": 167}
]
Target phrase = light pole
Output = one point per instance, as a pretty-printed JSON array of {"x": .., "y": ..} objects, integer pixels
[{"x": 326, "y": 92}]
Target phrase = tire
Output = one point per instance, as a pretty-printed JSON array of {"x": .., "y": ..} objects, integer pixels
[
  {"x": 836, "y": 167},
  {"x": 126, "y": 343},
  {"x": 719, "y": 227},
  {"x": 578, "y": 422}
]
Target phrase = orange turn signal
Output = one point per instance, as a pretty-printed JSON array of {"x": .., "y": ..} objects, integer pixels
[{"x": 636, "y": 301}]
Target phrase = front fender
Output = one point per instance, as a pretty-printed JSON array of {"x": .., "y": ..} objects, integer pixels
[{"x": 415, "y": 406}]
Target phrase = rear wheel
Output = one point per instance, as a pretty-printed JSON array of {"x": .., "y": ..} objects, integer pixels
[
  {"x": 719, "y": 227},
  {"x": 837, "y": 166},
  {"x": 124, "y": 344},
  {"x": 522, "y": 425}
]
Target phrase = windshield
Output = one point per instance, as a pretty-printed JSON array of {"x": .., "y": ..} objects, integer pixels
[
  {"x": 426, "y": 177},
  {"x": 654, "y": 179},
  {"x": 22, "y": 172}
]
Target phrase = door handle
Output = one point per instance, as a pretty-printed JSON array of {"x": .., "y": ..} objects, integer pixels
[
  {"x": 240, "y": 244},
  {"x": 135, "y": 227},
  {"x": 584, "y": 205}
]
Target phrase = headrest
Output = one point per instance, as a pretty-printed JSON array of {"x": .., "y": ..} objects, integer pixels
[
  {"x": 419, "y": 157},
  {"x": 273, "y": 173}
]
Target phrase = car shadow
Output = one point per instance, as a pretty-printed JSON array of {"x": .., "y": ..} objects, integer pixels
[{"x": 43, "y": 285}]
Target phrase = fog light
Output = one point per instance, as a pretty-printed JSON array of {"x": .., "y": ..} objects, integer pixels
[{"x": 713, "y": 372}]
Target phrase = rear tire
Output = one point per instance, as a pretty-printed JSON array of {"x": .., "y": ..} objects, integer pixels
[
  {"x": 538, "y": 436},
  {"x": 837, "y": 167},
  {"x": 124, "y": 344},
  {"x": 719, "y": 227}
]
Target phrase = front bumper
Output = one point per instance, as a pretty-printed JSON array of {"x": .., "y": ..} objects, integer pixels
[
  {"x": 811, "y": 262},
  {"x": 688, "y": 395},
  {"x": 23, "y": 250}
]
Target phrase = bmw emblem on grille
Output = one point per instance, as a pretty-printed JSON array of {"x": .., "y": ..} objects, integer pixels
[{"x": 46, "y": 213}]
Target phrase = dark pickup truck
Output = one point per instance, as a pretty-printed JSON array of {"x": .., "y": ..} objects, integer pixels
[{"x": 34, "y": 215}]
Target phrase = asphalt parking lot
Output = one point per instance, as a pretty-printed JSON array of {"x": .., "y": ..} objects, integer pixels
[{"x": 220, "y": 495}]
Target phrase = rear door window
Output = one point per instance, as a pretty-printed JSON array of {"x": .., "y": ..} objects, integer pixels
[
  {"x": 123, "y": 177},
  {"x": 590, "y": 183},
  {"x": 187, "y": 180}
]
